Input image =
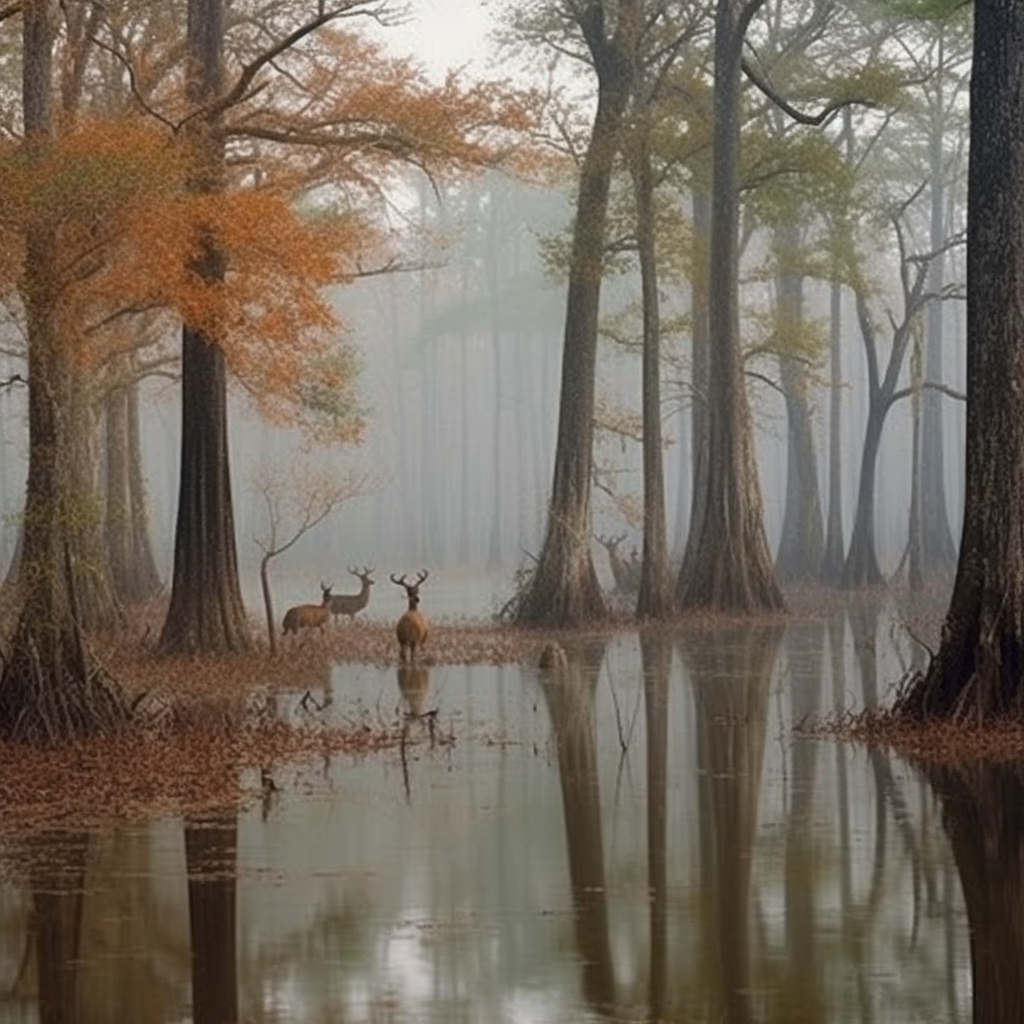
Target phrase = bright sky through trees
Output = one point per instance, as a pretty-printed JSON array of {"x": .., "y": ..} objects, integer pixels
[{"x": 445, "y": 34}]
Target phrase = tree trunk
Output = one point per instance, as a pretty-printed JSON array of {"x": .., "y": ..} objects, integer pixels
[
  {"x": 206, "y": 613},
  {"x": 98, "y": 608},
  {"x": 938, "y": 553},
  {"x": 48, "y": 691},
  {"x": 835, "y": 542},
  {"x": 731, "y": 568},
  {"x": 654, "y": 600},
  {"x": 977, "y": 672},
  {"x": 564, "y": 588},
  {"x": 133, "y": 569},
  {"x": 801, "y": 546},
  {"x": 861, "y": 568},
  {"x": 700, "y": 360}
]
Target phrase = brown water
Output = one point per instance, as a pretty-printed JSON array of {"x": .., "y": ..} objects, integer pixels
[{"x": 641, "y": 839}]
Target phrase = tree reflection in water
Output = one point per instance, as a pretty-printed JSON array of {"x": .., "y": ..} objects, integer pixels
[
  {"x": 58, "y": 879},
  {"x": 730, "y": 672},
  {"x": 656, "y": 663},
  {"x": 569, "y": 686},
  {"x": 802, "y": 996},
  {"x": 211, "y": 860},
  {"x": 983, "y": 813}
]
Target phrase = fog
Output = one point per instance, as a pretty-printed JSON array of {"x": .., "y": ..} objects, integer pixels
[{"x": 460, "y": 377}]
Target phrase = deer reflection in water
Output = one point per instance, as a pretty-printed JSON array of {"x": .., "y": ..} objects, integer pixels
[{"x": 413, "y": 686}]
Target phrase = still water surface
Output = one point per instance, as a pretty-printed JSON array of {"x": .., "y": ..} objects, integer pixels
[{"x": 641, "y": 838}]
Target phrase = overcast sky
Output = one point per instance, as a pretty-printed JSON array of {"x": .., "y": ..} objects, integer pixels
[{"x": 445, "y": 34}]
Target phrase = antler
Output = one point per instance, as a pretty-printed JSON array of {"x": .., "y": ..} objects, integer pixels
[{"x": 403, "y": 582}]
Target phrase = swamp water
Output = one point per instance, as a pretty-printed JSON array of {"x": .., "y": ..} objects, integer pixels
[{"x": 639, "y": 837}]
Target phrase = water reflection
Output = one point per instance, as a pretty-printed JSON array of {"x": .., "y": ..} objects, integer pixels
[
  {"x": 981, "y": 808},
  {"x": 730, "y": 679},
  {"x": 211, "y": 862},
  {"x": 58, "y": 873},
  {"x": 569, "y": 688},
  {"x": 531, "y": 870}
]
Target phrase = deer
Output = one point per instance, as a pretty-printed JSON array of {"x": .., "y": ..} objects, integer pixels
[
  {"x": 412, "y": 628},
  {"x": 349, "y": 604},
  {"x": 306, "y": 616},
  {"x": 627, "y": 580}
]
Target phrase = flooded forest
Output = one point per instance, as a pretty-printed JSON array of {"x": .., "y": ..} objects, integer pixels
[{"x": 489, "y": 538}]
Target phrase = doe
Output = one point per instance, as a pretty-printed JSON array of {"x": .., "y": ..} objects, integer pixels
[{"x": 306, "y": 616}]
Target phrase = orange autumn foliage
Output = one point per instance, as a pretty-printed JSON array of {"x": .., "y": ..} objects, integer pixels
[{"x": 336, "y": 118}]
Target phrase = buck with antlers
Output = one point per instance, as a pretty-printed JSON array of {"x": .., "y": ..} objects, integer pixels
[
  {"x": 306, "y": 616},
  {"x": 625, "y": 572},
  {"x": 350, "y": 604},
  {"x": 412, "y": 628}
]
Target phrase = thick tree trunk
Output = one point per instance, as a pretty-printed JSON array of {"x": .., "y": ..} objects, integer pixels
[
  {"x": 977, "y": 674},
  {"x": 564, "y": 588},
  {"x": 48, "y": 690},
  {"x": 206, "y": 612},
  {"x": 731, "y": 568}
]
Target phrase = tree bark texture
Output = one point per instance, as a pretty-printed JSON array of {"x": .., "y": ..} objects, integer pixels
[
  {"x": 206, "y": 612},
  {"x": 564, "y": 589},
  {"x": 731, "y": 568},
  {"x": 48, "y": 691},
  {"x": 977, "y": 674}
]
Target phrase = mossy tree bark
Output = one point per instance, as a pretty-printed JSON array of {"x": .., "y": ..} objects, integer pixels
[
  {"x": 977, "y": 674},
  {"x": 730, "y": 567},
  {"x": 564, "y": 588},
  {"x": 48, "y": 690},
  {"x": 206, "y": 612}
]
